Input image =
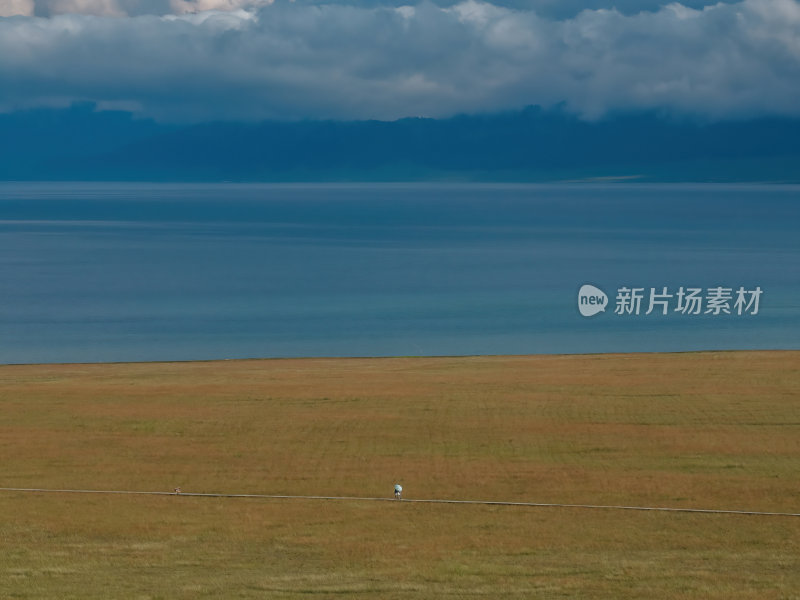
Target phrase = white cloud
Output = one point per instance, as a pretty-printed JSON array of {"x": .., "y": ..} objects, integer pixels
[
  {"x": 194, "y": 6},
  {"x": 102, "y": 8},
  {"x": 12, "y": 8},
  {"x": 558, "y": 9},
  {"x": 193, "y": 60},
  {"x": 117, "y": 8}
]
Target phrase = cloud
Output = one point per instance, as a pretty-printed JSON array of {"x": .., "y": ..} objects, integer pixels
[
  {"x": 119, "y": 8},
  {"x": 557, "y": 9},
  {"x": 11, "y": 8},
  {"x": 193, "y": 6},
  {"x": 176, "y": 61},
  {"x": 103, "y": 8}
]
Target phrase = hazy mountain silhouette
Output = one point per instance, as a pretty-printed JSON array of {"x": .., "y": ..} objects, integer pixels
[{"x": 81, "y": 143}]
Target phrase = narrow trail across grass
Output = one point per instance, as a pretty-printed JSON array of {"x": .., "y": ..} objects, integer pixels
[{"x": 409, "y": 500}]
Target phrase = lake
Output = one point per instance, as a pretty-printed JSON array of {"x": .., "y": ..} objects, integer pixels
[{"x": 96, "y": 272}]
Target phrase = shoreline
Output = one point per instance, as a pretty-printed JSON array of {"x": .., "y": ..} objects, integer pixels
[{"x": 408, "y": 357}]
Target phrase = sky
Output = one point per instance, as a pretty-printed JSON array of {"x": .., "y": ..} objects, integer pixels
[{"x": 187, "y": 61}]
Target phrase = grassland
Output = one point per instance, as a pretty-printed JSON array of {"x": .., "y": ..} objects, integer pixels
[{"x": 705, "y": 430}]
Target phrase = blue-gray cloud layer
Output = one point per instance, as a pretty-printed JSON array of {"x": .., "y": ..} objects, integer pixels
[
  {"x": 350, "y": 60},
  {"x": 545, "y": 8}
]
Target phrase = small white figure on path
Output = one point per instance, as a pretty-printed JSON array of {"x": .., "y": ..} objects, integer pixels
[{"x": 398, "y": 491}]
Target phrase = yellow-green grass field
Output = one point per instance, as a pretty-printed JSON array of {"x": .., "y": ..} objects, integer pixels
[{"x": 699, "y": 430}]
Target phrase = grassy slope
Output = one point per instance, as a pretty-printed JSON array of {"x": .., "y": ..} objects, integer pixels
[{"x": 710, "y": 430}]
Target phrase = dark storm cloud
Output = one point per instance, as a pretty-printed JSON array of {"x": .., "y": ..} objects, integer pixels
[{"x": 308, "y": 60}]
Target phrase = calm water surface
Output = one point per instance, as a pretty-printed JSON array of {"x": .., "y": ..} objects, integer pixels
[{"x": 129, "y": 272}]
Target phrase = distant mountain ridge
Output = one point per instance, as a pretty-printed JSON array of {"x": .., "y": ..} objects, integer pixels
[{"x": 82, "y": 143}]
